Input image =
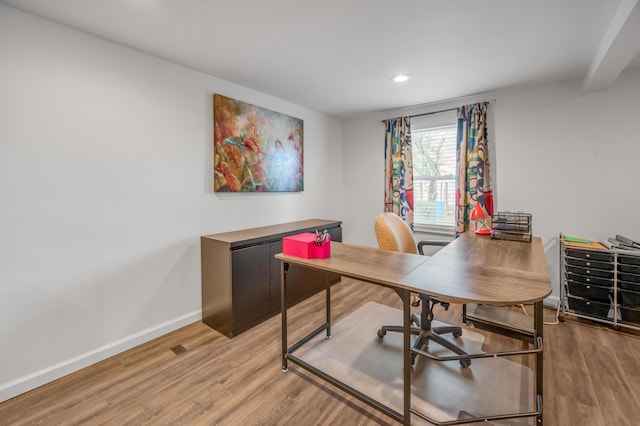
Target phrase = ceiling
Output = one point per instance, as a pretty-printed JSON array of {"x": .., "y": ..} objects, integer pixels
[{"x": 338, "y": 56}]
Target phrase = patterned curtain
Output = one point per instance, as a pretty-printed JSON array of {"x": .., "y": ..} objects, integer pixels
[
  {"x": 398, "y": 169},
  {"x": 472, "y": 163}
]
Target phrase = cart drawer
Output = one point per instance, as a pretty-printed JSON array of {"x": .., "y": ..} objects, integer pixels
[
  {"x": 626, "y": 285},
  {"x": 590, "y": 254},
  {"x": 588, "y": 263},
  {"x": 588, "y": 307},
  {"x": 591, "y": 292},
  {"x": 630, "y": 315},
  {"x": 628, "y": 269},
  {"x": 629, "y": 260},
  {"x": 590, "y": 272},
  {"x": 629, "y": 298},
  {"x": 633, "y": 278},
  {"x": 588, "y": 279}
]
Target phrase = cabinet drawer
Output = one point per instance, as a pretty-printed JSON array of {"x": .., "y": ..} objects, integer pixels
[
  {"x": 587, "y": 279},
  {"x": 590, "y": 254},
  {"x": 590, "y": 272},
  {"x": 588, "y": 263},
  {"x": 591, "y": 292}
]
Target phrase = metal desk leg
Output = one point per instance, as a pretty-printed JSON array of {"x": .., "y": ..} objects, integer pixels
[
  {"x": 406, "y": 304},
  {"x": 537, "y": 332},
  {"x": 283, "y": 310},
  {"x": 328, "y": 306}
]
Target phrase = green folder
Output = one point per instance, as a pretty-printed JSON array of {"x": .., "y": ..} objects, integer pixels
[{"x": 576, "y": 240}]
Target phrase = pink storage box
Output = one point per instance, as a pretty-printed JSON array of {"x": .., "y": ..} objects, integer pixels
[{"x": 303, "y": 245}]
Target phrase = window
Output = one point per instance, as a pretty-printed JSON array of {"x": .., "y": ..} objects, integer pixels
[{"x": 433, "y": 138}]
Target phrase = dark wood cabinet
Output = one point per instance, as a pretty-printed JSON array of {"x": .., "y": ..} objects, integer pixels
[{"x": 241, "y": 276}]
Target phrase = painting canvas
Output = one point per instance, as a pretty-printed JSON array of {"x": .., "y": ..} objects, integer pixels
[{"x": 255, "y": 149}]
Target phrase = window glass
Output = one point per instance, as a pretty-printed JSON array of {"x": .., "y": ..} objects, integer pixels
[{"x": 433, "y": 139}]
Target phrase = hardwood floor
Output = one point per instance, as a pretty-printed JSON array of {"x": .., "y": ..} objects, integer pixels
[{"x": 592, "y": 377}]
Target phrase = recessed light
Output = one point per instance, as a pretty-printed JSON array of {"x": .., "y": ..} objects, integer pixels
[{"x": 400, "y": 78}]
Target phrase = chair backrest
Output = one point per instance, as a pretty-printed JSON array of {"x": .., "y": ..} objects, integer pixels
[{"x": 394, "y": 234}]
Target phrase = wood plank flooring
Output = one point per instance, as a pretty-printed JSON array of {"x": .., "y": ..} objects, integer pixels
[{"x": 592, "y": 377}]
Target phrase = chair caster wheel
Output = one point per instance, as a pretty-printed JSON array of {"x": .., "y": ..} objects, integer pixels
[
  {"x": 456, "y": 334},
  {"x": 381, "y": 333},
  {"x": 465, "y": 363}
]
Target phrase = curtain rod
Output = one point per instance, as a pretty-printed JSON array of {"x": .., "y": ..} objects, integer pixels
[
  {"x": 492, "y": 101},
  {"x": 433, "y": 112}
]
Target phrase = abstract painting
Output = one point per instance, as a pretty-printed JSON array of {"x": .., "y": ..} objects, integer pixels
[{"x": 255, "y": 149}]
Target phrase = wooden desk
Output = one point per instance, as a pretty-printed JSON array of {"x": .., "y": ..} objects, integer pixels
[{"x": 469, "y": 270}]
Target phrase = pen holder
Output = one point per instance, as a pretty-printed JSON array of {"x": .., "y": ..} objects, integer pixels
[
  {"x": 304, "y": 245},
  {"x": 323, "y": 250}
]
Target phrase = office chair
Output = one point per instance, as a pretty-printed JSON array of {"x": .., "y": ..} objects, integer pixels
[{"x": 394, "y": 234}]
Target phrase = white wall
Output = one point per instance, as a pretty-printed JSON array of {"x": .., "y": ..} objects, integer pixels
[
  {"x": 106, "y": 187},
  {"x": 568, "y": 157}
]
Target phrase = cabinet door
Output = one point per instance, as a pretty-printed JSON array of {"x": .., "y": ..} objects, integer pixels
[{"x": 251, "y": 285}]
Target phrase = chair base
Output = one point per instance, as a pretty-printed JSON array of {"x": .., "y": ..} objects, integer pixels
[{"x": 427, "y": 333}]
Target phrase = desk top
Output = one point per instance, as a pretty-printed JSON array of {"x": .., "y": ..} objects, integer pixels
[{"x": 471, "y": 269}]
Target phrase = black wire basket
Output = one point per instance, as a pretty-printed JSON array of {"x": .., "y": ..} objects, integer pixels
[{"x": 511, "y": 226}]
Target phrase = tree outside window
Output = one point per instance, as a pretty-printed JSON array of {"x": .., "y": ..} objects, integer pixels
[{"x": 434, "y": 163}]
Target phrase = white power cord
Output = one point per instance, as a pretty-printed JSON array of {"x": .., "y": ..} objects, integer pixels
[
  {"x": 524, "y": 309},
  {"x": 557, "y": 321}
]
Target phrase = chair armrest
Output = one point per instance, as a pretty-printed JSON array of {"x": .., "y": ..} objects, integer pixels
[{"x": 423, "y": 243}]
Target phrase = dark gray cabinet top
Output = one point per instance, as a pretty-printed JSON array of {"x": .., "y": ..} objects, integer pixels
[{"x": 263, "y": 234}]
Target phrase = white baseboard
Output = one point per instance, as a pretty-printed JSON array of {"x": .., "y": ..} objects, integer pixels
[
  {"x": 38, "y": 378},
  {"x": 552, "y": 301}
]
